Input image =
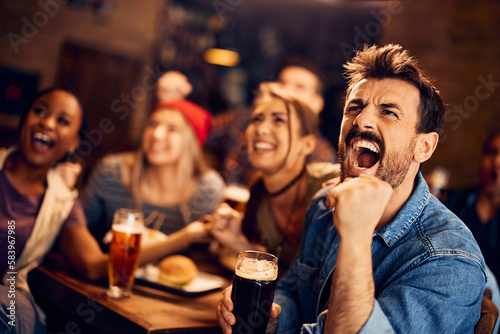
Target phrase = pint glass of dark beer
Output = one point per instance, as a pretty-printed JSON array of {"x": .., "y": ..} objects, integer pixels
[
  {"x": 253, "y": 291},
  {"x": 127, "y": 229}
]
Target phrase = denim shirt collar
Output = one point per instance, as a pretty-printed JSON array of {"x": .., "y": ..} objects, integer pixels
[{"x": 408, "y": 214}]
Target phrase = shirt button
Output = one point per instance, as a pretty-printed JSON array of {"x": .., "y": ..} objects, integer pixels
[{"x": 321, "y": 281}]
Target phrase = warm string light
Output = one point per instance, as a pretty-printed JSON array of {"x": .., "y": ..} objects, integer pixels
[{"x": 222, "y": 57}]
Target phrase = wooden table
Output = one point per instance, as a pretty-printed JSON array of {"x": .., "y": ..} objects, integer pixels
[{"x": 73, "y": 305}]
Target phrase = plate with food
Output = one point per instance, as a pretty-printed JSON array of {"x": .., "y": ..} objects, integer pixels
[{"x": 178, "y": 274}]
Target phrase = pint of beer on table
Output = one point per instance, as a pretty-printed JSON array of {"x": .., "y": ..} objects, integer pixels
[
  {"x": 254, "y": 284},
  {"x": 127, "y": 229}
]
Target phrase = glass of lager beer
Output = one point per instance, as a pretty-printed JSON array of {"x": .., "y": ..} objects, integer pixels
[
  {"x": 237, "y": 196},
  {"x": 127, "y": 229},
  {"x": 254, "y": 283}
]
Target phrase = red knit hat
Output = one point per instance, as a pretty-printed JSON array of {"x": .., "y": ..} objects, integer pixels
[{"x": 200, "y": 119}]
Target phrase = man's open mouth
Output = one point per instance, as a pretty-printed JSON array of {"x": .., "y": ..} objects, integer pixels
[
  {"x": 494, "y": 176},
  {"x": 364, "y": 154}
]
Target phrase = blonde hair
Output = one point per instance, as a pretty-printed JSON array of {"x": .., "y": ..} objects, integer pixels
[{"x": 190, "y": 166}]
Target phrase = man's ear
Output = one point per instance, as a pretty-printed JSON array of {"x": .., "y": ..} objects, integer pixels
[
  {"x": 309, "y": 144},
  {"x": 426, "y": 144}
]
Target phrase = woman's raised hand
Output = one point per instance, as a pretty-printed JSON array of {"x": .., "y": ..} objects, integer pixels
[{"x": 225, "y": 226}]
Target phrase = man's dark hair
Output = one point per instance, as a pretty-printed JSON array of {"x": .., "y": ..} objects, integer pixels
[
  {"x": 392, "y": 61},
  {"x": 309, "y": 65}
]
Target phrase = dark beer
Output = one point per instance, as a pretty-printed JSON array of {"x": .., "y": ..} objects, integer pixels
[
  {"x": 252, "y": 304},
  {"x": 254, "y": 284}
]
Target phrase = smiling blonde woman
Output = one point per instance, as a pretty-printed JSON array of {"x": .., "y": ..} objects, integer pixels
[
  {"x": 282, "y": 133},
  {"x": 166, "y": 178}
]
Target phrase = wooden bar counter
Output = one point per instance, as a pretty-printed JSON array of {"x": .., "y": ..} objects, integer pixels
[{"x": 74, "y": 305}]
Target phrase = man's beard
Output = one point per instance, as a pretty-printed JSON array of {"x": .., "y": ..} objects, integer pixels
[{"x": 393, "y": 165}]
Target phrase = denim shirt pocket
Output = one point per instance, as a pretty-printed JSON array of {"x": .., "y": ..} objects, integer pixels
[{"x": 307, "y": 274}]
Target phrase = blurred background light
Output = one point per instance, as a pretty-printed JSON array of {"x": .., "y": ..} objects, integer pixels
[{"x": 221, "y": 57}]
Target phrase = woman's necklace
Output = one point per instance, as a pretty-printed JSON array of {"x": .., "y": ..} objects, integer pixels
[
  {"x": 288, "y": 185},
  {"x": 284, "y": 235}
]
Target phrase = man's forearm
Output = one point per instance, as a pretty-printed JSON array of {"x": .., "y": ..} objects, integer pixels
[{"x": 352, "y": 291}]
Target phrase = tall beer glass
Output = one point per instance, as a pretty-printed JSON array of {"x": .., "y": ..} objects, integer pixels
[
  {"x": 127, "y": 229},
  {"x": 254, "y": 283}
]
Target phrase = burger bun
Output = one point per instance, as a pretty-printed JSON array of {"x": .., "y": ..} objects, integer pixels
[{"x": 177, "y": 270}]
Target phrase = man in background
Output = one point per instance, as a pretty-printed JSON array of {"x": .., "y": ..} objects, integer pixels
[{"x": 479, "y": 207}]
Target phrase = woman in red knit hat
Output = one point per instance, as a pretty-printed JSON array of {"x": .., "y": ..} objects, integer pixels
[{"x": 166, "y": 179}]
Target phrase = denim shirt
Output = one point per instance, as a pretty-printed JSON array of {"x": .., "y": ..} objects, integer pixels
[{"x": 428, "y": 271}]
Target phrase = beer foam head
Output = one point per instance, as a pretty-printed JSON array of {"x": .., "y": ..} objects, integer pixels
[
  {"x": 130, "y": 221},
  {"x": 128, "y": 228},
  {"x": 257, "y": 269},
  {"x": 237, "y": 193}
]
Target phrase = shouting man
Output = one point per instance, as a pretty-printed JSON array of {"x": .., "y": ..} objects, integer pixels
[{"x": 381, "y": 254}]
